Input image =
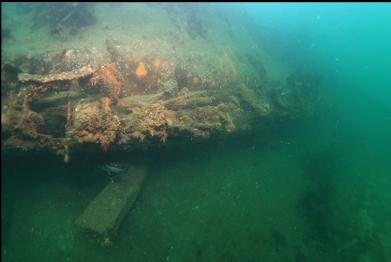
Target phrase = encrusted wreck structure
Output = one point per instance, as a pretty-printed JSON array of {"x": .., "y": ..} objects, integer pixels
[{"x": 186, "y": 83}]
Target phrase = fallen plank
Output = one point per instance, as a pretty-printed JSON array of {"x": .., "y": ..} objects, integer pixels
[
  {"x": 105, "y": 213},
  {"x": 64, "y": 76}
]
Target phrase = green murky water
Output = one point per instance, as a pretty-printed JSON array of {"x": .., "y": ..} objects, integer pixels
[{"x": 316, "y": 189}]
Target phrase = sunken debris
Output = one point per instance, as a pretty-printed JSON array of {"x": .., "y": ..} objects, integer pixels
[{"x": 118, "y": 102}]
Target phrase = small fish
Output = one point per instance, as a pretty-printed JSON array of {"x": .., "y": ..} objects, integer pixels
[{"x": 112, "y": 170}]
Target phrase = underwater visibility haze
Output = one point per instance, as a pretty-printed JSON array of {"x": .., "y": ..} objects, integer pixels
[{"x": 196, "y": 132}]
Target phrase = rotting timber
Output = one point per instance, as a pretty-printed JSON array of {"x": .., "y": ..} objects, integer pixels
[
  {"x": 105, "y": 213},
  {"x": 68, "y": 100}
]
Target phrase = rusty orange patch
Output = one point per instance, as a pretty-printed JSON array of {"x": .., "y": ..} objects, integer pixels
[
  {"x": 156, "y": 64},
  {"x": 107, "y": 101},
  {"x": 141, "y": 71}
]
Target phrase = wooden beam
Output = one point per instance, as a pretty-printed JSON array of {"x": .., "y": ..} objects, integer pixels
[{"x": 105, "y": 213}]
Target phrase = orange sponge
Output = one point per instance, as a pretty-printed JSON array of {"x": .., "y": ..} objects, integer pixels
[
  {"x": 156, "y": 64},
  {"x": 141, "y": 71}
]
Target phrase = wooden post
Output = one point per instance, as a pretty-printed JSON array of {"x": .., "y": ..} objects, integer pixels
[{"x": 105, "y": 213}]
